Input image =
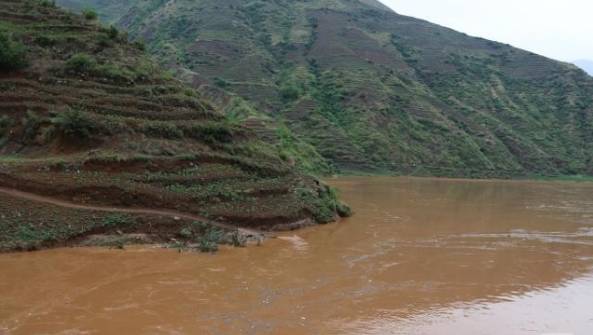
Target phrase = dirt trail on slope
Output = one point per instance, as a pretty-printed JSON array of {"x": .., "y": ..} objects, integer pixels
[{"x": 156, "y": 212}]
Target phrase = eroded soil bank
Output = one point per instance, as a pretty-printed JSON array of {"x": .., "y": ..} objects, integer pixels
[{"x": 421, "y": 256}]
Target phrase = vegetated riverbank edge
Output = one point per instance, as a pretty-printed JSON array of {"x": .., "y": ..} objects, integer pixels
[
  {"x": 92, "y": 225},
  {"x": 535, "y": 177}
]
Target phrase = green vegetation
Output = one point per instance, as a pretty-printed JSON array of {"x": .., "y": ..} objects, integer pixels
[
  {"x": 117, "y": 220},
  {"x": 83, "y": 64},
  {"x": 238, "y": 239},
  {"x": 572, "y": 178},
  {"x": 304, "y": 155},
  {"x": 208, "y": 242},
  {"x": 290, "y": 92},
  {"x": 220, "y": 82},
  {"x": 29, "y": 226},
  {"x": 89, "y": 14},
  {"x": 210, "y": 133},
  {"x": 31, "y": 124},
  {"x": 80, "y": 64},
  {"x": 205, "y": 237},
  {"x": 93, "y": 120},
  {"x": 74, "y": 124},
  {"x": 326, "y": 205},
  {"x": 48, "y": 3},
  {"x": 5, "y": 124},
  {"x": 113, "y": 33},
  {"x": 163, "y": 129},
  {"x": 13, "y": 55},
  {"x": 360, "y": 88}
]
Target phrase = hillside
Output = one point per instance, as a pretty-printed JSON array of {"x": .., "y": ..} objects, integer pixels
[
  {"x": 369, "y": 89},
  {"x": 102, "y": 141}
]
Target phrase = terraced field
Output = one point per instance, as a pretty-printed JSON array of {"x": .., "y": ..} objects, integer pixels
[{"x": 89, "y": 119}]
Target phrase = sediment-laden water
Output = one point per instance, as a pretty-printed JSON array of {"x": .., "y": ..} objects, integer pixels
[{"x": 421, "y": 256}]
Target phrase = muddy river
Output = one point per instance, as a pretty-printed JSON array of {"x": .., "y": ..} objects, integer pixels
[{"x": 421, "y": 256}]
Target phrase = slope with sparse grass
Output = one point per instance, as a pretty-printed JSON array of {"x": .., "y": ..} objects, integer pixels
[
  {"x": 86, "y": 117},
  {"x": 368, "y": 89}
]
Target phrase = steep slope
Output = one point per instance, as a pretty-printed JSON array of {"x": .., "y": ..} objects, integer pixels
[
  {"x": 86, "y": 118},
  {"x": 371, "y": 89}
]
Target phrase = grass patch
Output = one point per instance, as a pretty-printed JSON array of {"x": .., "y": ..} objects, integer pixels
[
  {"x": 117, "y": 220},
  {"x": 83, "y": 64}
]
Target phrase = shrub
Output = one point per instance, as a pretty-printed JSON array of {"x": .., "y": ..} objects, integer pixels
[
  {"x": 324, "y": 204},
  {"x": 210, "y": 133},
  {"x": 162, "y": 130},
  {"x": 81, "y": 63},
  {"x": 12, "y": 54},
  {"x": 220, "y": 82},
  {"x": 5, "y": 123},
  {"x": 290, "y": 92},
  {"x": 186, "y": 233},
  {"x": 31, "y": 124},
  {"x": 45, "y": 41},
  {"x": 140, "y": 45},
  {"x": 208, "y": 242},
  {"x": 47, "y": 3},
  {"x": 112, "y": 32},
  {"x": 89, "y": 14},
  {"x": 74, "y": 123},
  {"x": 200, "y": 226},
  {"x": 343, "y": 210},
  {"x": 238, "y": 239}
]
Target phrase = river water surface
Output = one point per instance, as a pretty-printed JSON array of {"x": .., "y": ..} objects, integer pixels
[{"x": 421, "y": 256}]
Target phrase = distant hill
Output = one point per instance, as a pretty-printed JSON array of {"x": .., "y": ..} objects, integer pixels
[
  {"x": 87, "y": 117},
  {"x": 364, "y": 88},
  {"x": 585, "y": 64}
]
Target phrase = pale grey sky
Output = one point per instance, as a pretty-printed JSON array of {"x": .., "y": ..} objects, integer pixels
[{"x": 559, "y": 29}]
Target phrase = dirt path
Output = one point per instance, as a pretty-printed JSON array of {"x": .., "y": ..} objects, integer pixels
[{"x": 157, "y": 212}]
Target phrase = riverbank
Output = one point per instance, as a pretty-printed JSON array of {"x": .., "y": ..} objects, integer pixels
[
  {"x": 386, "y": 173},
  {"x": 34, "y": 222}
]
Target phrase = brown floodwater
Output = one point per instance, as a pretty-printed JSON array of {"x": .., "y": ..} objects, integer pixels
[{"x": 421, "y": 256}]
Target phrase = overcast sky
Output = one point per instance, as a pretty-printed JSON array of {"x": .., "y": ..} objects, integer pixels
[{"x": 560, "y": 29}]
